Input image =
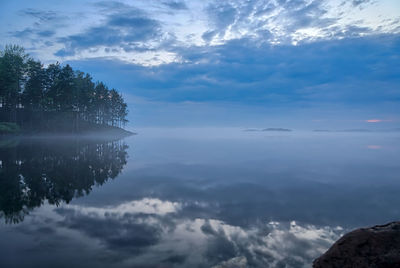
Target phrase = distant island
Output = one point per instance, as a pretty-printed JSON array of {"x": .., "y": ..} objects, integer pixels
[
  {"x": 267, "y": 129},
  {"x": 277, "y": 129},
  {"x": 55, "y": 99},
  {"x": 251, "y": 129},
  {"x": 321, "y": 130}
]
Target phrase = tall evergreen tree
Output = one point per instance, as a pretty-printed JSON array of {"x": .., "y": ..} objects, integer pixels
[
  {"x": 33, "y": 94},
  {"x": 13, "y": 65},
  {"x": 57, "y": 93}
]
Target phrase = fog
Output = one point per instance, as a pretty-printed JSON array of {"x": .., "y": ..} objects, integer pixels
[{"x": 212, "y": 197}]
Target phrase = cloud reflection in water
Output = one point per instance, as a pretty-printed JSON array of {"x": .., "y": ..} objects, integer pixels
[{"x": 151, "y": 231}]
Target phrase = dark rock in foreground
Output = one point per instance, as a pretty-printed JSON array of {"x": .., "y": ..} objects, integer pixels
[{"x": 378, "y": 246}]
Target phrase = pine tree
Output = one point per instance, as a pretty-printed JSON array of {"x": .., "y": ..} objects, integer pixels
[{"x": 45, "y": 96}]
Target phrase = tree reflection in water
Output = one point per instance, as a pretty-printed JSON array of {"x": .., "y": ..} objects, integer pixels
[{"x": 33, "y": 171}]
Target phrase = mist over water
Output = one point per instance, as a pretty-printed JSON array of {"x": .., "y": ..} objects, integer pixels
[{"x": 193, "y": 197}]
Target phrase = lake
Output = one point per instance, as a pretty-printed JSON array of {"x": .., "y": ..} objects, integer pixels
[{"x": 200, "y": 197}]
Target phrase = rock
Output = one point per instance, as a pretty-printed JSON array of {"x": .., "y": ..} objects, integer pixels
[{"x": 378, "y": 246}]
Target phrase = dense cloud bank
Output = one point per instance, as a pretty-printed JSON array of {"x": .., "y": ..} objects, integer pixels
[{"x": 355, "y": 70}]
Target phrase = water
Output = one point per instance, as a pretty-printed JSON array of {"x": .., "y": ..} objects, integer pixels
[{"x": 192, "y": 197}]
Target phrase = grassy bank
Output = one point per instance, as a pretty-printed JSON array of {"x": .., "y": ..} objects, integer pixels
[
  {"x": 85, "y": 128},
  {"x": 7, "y": 128}
]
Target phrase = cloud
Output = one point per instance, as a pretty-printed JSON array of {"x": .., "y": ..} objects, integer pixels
[
  {"x": 116, "y": 238},
  {"x": 306, "y": 14},
  {"x": 241, "y": 19},
  {"x": 286, "y": 22},
  {"x": 378, "y": 120},
  {"x": 130, "y": 232},
  {"x": 47, "y": 33},
  {"x": 209, "y": 35},
  {"x": 27, "y": 32},
  {"x": 177, "y": 5},
  {"x": 33, "y": 34},
  {"x": 125, "y": 235},
  {"x": 144, "y": 206},
  {"x": 352, "y": 70},
  {"x": 373, "y": 120},
  {"x": 374, "y": 147},
  {"x": 42, "y": 32},
  {"x": 111, "y": 6},
  {"x": 169, "y": 238},
  {"x": 360, "y": 2},
  {"x": 222, "y": 15},
  {"x": 43, "y": 16},
  {"x": 128, "y": 28},
  {"x": 136, "y": 32}
]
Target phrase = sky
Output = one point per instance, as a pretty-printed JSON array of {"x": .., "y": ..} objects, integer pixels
[{"x": 305, "y": 64}]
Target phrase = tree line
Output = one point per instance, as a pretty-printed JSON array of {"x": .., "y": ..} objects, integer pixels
[{"x": 35, "y": 96}]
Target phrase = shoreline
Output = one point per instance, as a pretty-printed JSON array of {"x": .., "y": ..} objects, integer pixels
[{"x": 102, "y": 134}]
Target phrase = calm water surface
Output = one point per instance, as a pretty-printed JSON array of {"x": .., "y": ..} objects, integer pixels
[{"x": 192, "y": 197}]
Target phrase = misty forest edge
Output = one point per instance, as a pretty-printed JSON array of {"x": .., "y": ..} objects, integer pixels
[{"x": 54, "y": 99}]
